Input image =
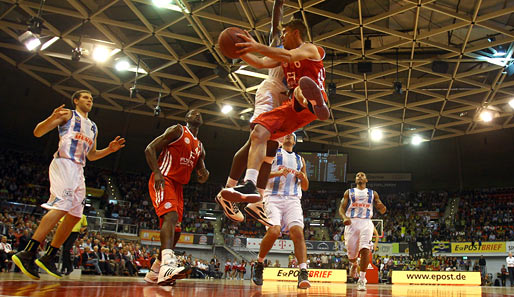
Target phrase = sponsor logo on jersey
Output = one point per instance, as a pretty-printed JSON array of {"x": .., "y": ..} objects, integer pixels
[
  {"x": 82, "y": 137},
  {"x": 186, "y": 140},
  {"x": 167, "y": 205},
  {"x": 365, "y": 205}
]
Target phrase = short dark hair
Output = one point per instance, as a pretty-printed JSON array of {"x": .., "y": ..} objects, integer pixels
[
  {"x": 76, "y": 95},
  {"x": 297, "y": 24}
]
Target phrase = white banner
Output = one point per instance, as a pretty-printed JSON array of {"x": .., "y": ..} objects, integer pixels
[
  {"x": 510, "y": 247},
  {"x": 384, "y": 249},
  {"x": 281, "y": 245}
]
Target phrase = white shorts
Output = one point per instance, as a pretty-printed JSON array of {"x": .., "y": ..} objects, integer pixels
[
  {"x": 67, "y": 187},
  {"x": 285, "y": 212},
  {"x": 268, "y": 96},
  {"x": 358, "y": 236}
]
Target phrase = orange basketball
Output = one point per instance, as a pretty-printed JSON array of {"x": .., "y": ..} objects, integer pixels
[{"x": 227, "y": 42}]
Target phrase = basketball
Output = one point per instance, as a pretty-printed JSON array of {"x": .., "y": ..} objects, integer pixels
[{"x": 227, "y": 41}]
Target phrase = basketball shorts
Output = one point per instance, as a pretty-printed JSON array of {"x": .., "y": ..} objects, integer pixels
[
  {"x": 357, "y": 236},
  {"x": 285, "y": 212},
  {"x": 67, "y": 187},
  {"x": 168, "y": 199},
  {"x": 284, "y": 119},
  {"x": 270, "y": 94}
]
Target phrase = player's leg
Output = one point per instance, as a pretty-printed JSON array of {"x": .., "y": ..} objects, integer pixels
[
  {"x": 293, "y": 219},
  {"x": 275, "y": 216},
  {"x": 365, "y": 245},
  {"x": 352, "y": 246},
  {"x": 308, "y": 91},
  {"x": 248, "y": 192}
]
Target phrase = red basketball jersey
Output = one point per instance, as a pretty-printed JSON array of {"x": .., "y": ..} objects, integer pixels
[
  {"x": 310, "y": 68},
  {"x": 179, "y": 158}
]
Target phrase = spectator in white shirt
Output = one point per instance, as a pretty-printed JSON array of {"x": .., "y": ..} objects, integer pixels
[
  {"x": 510, "y": 266},
  {"x": 5, "y": 254}
]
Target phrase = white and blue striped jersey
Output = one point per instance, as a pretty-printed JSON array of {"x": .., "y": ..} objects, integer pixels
[
  {"x": 360, "y": 203},
  {"x": 289, "y": 185},
  {"x": 76, "y": 138}
]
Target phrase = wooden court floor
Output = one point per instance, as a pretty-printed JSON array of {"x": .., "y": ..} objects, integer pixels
[{"x": 15, "y": 284}]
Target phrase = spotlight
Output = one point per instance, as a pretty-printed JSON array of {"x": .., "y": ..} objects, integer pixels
[
  {"x": 161, "y": 3},
  {"x": 416, "y": 140},
  {"x": 376, "y": 134},
  {"x": 35, "y": 25},
  {"x": 491, "y": 39},
  {"x": 332, "y": 89},
  {"x": 122, "y": 65},
  {"x": 226, "y": 108},
  {"x": 76, "y": 54},
  {"x": 101, "y": 53},
  {"x": 486, "y": 116},
  {"x": 499, "y": 52},
  {"x": 397, "y": 87},
  {"x": 157, "y": 111},
  {"x": 30, "y": 40},
  {"x": 511, "y": 103}
]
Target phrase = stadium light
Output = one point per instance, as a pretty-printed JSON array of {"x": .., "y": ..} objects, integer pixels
[
  {"x": 101, "y": 53},
  {"x": 168, "y": 5},
  {"x": 226, "y": 108},
  {"x": 376, "y": 134},
  {"x": 511, "y": 103},
  {"x": 416, "y": 140},
  {"x": 122, "y": 65},
  {"x": 486, "y": 116},
  {"x": 30, "y": 40}
]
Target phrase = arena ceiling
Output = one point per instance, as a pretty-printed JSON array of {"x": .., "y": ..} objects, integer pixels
[{"x": 178, "y": 56}]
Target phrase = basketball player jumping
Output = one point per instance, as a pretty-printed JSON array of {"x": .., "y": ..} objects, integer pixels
[
  {"x": 288, "y": 179},
  {"x": 77, "y": 140},
  {"x": 356, "y": 210},
  {"x": 302, "y": 64},
  {"x": 180, "y": 153},
  {"x": 270, "y": 94}
]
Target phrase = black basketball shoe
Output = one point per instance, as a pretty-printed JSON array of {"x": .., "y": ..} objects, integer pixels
[
  {"x": 243, "y": 193},
  {"x": 257, "y": 273},
  {"x": 47, "y": 263},
  {"x": 303, "y": 279},
  {"x": 25, "y": 261}
]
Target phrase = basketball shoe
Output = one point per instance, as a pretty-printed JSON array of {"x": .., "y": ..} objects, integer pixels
[
  {"x": 258, "y": 211},
  {"x": 47, "y": 263},
  {"x": 168, "y": 273},
  {"x": 230, "y": 209},
  {"x": 25, "y": 261},
  {"x": 313, "y": 94},
  {"x": 153, "y": 274},
  {"x": 258, "y": 269},
  {"x": 361, "y": 284},
  {"x": 243, "y": 193},
  {"x": 303, "y": 279}
]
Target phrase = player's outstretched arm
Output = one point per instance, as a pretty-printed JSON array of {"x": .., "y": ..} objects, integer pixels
[
  {"x": 259, "y": 63},
  {"x": 276, "y": 20},
  {"x": 59, "y": 116},
  {"x": 114, "y": 146},
  {"x": 302, "y": 175},
  {"x": 305, "y": 51},
  {"x": 202, "y": 172},
  {"x": 378, "y": 203},
  {"x": 153, "y": 148},
  {"x": 342, "y": 208}
]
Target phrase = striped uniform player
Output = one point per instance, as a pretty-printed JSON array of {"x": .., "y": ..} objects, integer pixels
[
  {"x": 356, "y": 209},
  {"x": 288, "y": 178},
  {"x": 181, "y": 152},
  {"x": 77, "y": 140}
]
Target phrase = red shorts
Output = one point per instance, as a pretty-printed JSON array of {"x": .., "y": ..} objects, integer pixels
[
  {"x": 284, "y": 120},
  {"x": 167, "y": 200}
]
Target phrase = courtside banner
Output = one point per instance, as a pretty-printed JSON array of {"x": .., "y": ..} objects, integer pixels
[
  {"x": 486, "y": 247},
  {"x": 315, "y": 275},
  {"x": 436, "y": 278}
]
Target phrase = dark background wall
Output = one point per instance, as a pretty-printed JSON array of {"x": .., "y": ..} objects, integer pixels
[{"x": 480, "y": 160}]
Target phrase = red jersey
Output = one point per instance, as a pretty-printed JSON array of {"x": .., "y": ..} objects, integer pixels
[
  {"x": 310, "y": 68},
  {"x": 178, "y": 159}
]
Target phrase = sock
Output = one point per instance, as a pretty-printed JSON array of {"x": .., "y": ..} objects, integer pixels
[
  {"x": 231, "y": 182},
  {"x": 167, "y": 256},
  {"x": 362, "y": 275},
  {"x": 156, "y": 266},
  {"x": 251, "y": 175},
  {"x": 261, "y": 191},
  {"x": 303, "y": 266},
  {"x": 260, "y": 260},
  {"x": 32, "y": 246},
  {"x": 51, "y": 251}
]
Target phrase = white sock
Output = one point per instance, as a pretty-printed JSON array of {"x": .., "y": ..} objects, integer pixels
[
  {"x": 251, "y": 175},
  {"x": 303, "y": 266},
  {"x": 156, "y": 266},
  {"x": 231, "y": 182},
  {"x": 362, "y": 275},
  {"x": 167, "y": 256}
]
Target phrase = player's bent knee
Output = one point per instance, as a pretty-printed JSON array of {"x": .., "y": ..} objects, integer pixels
[
  {"x": 296, "y": 233},
  {"x": 259, "y": 134},
  {"x": 274, "y": 231}
]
